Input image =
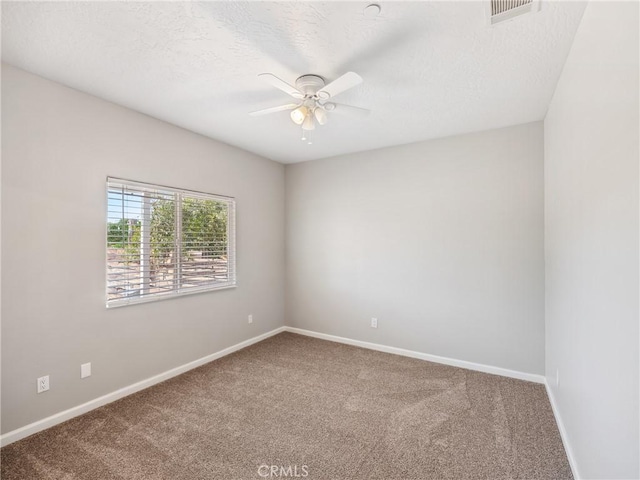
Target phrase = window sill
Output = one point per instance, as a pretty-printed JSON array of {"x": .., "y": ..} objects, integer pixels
[{"x": 155, "y": 298}]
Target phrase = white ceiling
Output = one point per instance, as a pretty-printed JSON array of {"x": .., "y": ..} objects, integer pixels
[{"x": 430, "y": 69}]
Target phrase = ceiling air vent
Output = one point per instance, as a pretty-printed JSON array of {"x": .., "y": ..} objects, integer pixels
[{"x": 503, "y": 10}]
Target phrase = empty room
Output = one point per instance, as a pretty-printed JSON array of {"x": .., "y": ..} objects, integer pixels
[{"x": 320, "y": 240}]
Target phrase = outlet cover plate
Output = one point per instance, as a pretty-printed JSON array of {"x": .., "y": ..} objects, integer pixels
[{"x": 43, "y": 384}]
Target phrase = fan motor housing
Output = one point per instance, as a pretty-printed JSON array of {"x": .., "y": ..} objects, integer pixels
[{"x": 309, "y": 84}]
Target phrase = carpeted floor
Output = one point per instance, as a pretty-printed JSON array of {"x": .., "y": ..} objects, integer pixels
[{"x": 309, "y": 407}]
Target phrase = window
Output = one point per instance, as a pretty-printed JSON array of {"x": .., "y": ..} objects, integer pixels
[{"x": 163, "y": 242}]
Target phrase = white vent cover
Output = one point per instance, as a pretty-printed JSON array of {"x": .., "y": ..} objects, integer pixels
[{"x": 502, "y": 10}]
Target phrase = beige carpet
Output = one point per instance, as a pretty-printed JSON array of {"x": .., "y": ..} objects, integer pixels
[{"x": 313, "y": 407}]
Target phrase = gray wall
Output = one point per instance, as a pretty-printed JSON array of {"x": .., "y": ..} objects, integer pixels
[
  {"x": 442, "y": 241},
  {"x": 58, "y": 146},
  {"x": 591, "y": 211}
]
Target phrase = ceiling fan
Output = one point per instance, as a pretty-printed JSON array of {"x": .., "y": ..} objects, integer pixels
[{"x": 313, "y": 99}]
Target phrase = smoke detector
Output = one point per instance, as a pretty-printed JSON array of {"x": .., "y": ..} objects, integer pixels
[
  {"x": 503, "y": 10},
  {"x": 372, "y": 11}
]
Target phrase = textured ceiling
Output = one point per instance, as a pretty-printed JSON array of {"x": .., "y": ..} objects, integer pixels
[{"x": 430, "y": 69}]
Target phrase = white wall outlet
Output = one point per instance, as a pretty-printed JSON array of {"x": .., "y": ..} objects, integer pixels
[
  {"x": 557, "y": 377},
  {"x": 374, "y": 323},
  {"x": 250, "y": 318},
  {"x": 85, "y": 370},
  {"x": 43, "y": 384}
]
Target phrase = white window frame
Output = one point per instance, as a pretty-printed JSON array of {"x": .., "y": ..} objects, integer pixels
[{"x": 231, "y": 282}]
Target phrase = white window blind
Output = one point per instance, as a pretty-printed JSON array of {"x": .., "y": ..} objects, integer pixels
[{"x": 164, "y": 241}]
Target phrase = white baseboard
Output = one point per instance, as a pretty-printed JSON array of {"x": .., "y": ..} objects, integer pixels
[
  {"x": 60, "y": 417},
  {"x": 563, "y": 432},
  {"x": 530, "y": 377}
]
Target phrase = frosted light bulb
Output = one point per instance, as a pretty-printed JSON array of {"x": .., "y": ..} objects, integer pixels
[
  {"x": 299, "y": 114},
  {"x": 321, "y": 116},
  {"x": 308, "y": 123}
]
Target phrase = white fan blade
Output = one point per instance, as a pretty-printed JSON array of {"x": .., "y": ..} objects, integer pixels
[
  {"x": 339, "y": 85},
  {"x": 271, "y": 79},
  {"x": 351, "y": 110},
  {"x": 289, "y": 106}
]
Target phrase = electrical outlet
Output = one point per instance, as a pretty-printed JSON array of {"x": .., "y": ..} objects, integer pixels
[
  {"x": 43, "y": 384},
  {"x": 250, "y": 318},
  {"x": 374, "y": 323},
  {"x": 85, "y": 370}
]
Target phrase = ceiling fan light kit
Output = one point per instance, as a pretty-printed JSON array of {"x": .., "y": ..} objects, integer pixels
[{"x": 313, "y": 99}]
